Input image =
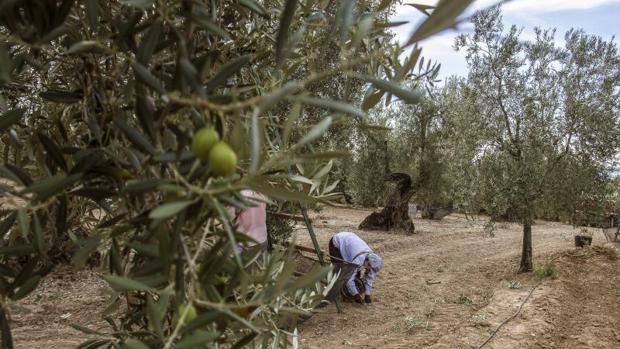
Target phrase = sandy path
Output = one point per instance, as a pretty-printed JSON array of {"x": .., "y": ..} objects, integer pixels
[{"x": 409, "y": 313}]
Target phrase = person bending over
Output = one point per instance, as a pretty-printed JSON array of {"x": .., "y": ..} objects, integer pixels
[{"x": 348, "y": 247}]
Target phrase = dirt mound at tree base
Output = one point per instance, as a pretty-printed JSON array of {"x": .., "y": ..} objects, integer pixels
[{"x": 579, "y": 309}]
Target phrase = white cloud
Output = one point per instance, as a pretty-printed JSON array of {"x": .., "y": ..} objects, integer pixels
[
  {"x": 538, "y": 6},
  {"x": 524, "y": 7},
  {"x": 439, "y": 47}
]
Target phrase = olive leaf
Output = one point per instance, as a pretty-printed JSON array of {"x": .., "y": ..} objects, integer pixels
[
  {"x": 444, "y": 16},
  {"x": 50, "y": 186},
  {"x": 283, "y": 33},
  {"x": 330, "y": 105},
  {"x": 138, "y": 3},
  {"x": 121, "y": 283},
  {"x": 60, "y": 96},
  {"x": 254, "y": 6},
  {"x": 227, "y": 71},
  {"x": 92, "y": 12},
  {"x": 149, "y": 42},
  {"x": 146, "y": 77},
  {"x": 408, "y": 96},
  {"x": 168, "y": 210},
  {"x": 10, "y": 117}
]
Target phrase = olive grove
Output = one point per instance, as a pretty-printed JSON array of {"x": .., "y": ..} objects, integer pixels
[{"x": 100, "y": 101}]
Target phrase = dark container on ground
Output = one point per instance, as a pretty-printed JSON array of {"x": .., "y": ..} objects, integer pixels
[{"x": 582, "y": 240}]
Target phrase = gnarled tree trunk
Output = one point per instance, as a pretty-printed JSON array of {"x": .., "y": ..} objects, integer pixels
[{"x": 395, "y": 214}]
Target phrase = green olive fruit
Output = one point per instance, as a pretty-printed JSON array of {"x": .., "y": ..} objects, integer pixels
[
  {"x": 203, "y": 141},
  {"x": 191, "y": 314},
  {"x": 222, "y": 159},
  {"x": 172, "y": 196},
  {"x": 172, "y": 192}
]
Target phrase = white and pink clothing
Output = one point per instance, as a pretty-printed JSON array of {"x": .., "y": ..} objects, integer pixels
[{"x": 253, "y": 220}]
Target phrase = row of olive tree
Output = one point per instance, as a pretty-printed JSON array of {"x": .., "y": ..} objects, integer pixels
[{"x": 532, "y": 131}]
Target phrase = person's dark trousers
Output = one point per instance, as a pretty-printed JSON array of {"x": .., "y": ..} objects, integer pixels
[{"x": 334, "y": 252}]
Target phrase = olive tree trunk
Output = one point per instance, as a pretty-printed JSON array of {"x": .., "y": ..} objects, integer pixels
[
  {"x": 526, "y": 252},
  {"x": 395, "y": 214}
]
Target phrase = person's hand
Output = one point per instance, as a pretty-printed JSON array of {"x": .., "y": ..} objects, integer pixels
[
  {"x": 367, "y": 299},
  {"x": 358, "y": 299}
]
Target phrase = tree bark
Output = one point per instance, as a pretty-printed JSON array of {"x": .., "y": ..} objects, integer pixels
[
  {"x": 395, "y": 214},
  {"x": 526, "y": 253}
]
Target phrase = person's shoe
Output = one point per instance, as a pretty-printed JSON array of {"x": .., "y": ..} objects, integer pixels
[
  {"x": 358, "y": 299},
  {"x": 367, "y": 299}
]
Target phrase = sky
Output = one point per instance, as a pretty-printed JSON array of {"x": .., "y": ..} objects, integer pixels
[{"x": 598, "y": 17}]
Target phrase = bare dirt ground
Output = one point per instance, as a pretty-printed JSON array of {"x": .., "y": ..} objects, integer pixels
[
  {"x": 579, "y": 309},
  {"x": 65, "y": 297},
  {"x": 447, "y": 286}
]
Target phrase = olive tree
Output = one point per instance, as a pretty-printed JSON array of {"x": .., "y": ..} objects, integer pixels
[
  {"x": 418, "y": 145},
  {"x": 539, "y": 105}
]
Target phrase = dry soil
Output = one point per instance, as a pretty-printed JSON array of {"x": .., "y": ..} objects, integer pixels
[
  {"x": 451, "y": 284},
  {"x": 448, "y": 286}
]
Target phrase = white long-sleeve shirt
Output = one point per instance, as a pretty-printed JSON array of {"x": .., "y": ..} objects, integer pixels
[{"x": 354, "y": 250}]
